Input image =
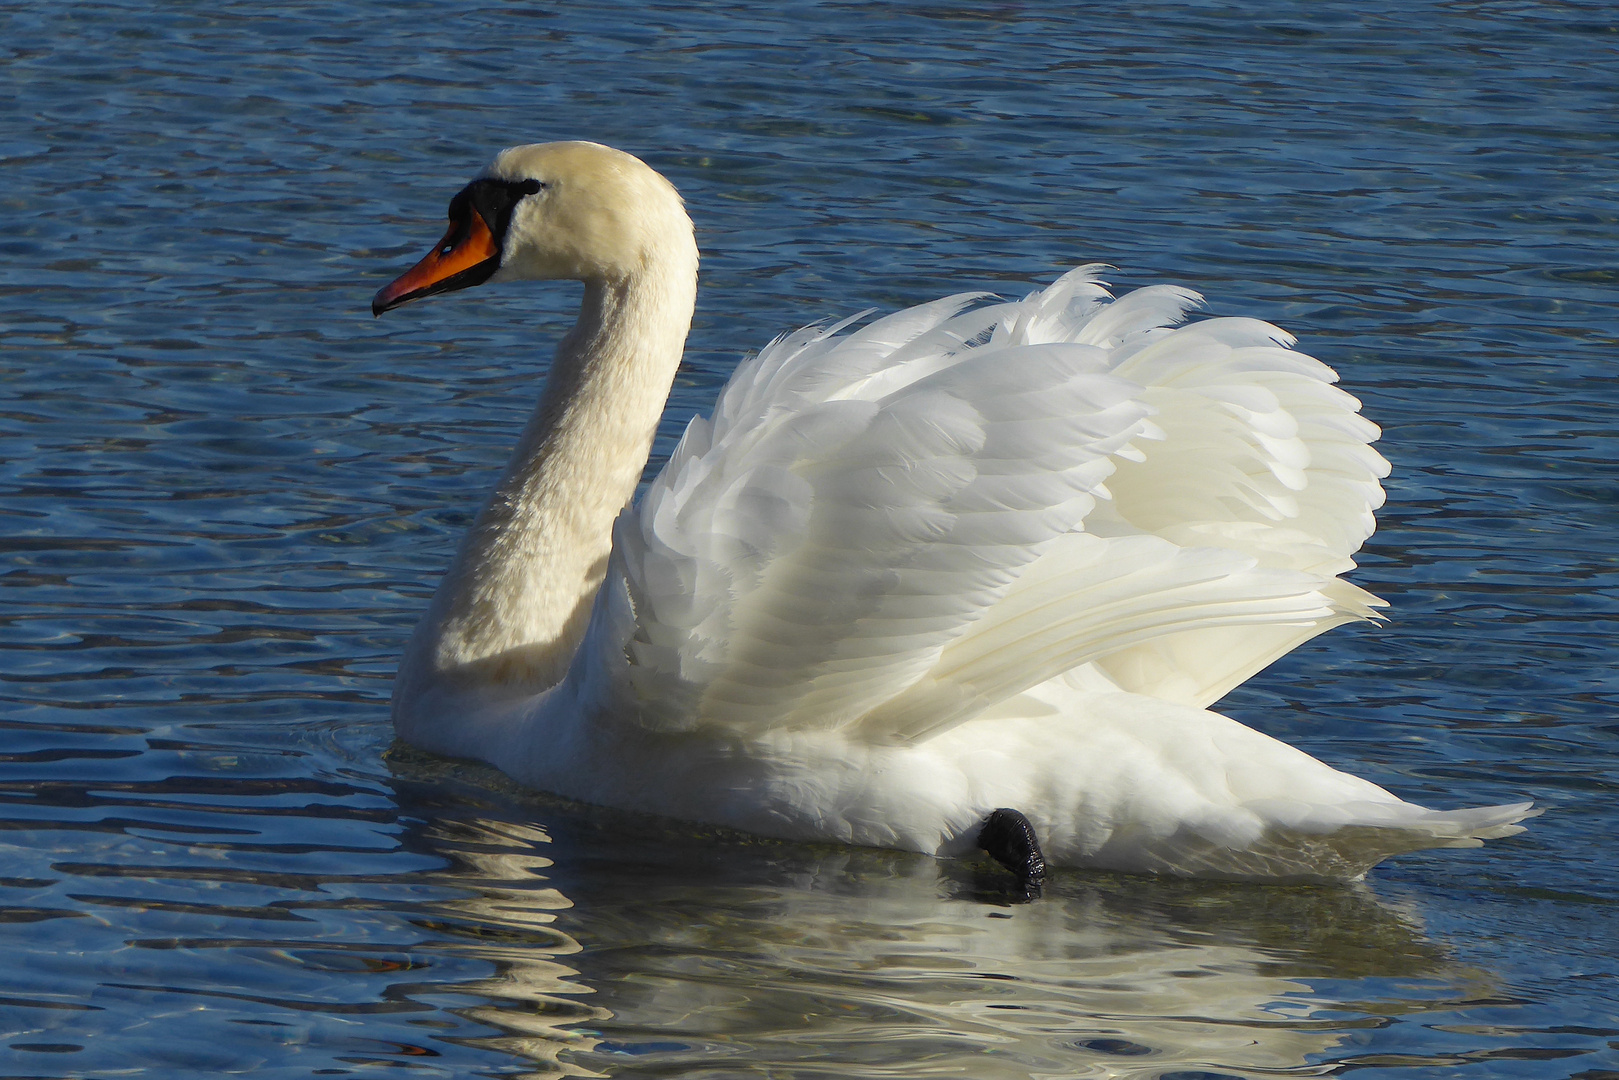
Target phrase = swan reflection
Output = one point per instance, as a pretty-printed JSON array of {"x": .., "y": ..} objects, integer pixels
[
  {"x": 509, "y": 918},
  {"x": 618, "y": 946}
]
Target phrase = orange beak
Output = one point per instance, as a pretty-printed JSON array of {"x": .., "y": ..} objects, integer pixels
[{"x": 468, "y": 255}]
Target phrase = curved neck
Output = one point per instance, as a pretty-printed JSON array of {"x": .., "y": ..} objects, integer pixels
[{"x": 514, "y": 604}]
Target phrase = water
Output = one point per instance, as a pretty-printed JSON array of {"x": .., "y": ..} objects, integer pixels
[{"x": 227, "y": 493}]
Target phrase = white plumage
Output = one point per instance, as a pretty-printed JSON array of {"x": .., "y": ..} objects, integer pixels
[{"x": 971, "y": 555}]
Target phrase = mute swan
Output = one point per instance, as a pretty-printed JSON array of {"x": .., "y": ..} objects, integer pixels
[{"x": 969, "y": 575}]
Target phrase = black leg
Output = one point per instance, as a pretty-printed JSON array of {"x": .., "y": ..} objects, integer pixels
[{"x": 1010, "y": 841}]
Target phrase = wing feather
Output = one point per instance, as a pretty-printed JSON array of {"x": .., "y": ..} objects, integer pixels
[{"x": 893, "y": 529}]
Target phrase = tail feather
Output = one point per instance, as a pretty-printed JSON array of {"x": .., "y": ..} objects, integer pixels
[
  {"x": 1473, "y": 826},
  {"x": 1345, "y": 853}
]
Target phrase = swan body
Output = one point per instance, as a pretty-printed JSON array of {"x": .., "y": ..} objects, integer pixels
[{"x": 971, "y": 555}]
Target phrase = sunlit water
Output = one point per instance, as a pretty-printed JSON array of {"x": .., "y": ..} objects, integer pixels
[{"x": 227, "y": 492}]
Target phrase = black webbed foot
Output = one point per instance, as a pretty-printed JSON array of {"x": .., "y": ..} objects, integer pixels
[{"x": 1009, "y": 839}]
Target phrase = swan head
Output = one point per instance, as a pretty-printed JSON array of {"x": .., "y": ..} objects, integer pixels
[{"x": 565, "y": 210}]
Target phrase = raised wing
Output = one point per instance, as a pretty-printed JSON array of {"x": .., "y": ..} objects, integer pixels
[{"x": 898, "y": 527}]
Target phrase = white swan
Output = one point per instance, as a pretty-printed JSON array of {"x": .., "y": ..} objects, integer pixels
[{"x": 968, "y": 558}]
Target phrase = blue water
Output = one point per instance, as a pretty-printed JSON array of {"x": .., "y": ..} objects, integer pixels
[{"x": 226, "y": 492}]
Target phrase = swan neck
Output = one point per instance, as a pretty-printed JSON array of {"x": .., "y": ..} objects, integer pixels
[{"x": 514, "y": 605}]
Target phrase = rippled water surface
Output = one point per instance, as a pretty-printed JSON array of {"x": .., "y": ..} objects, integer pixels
[{"x": 226, "y": 492}]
